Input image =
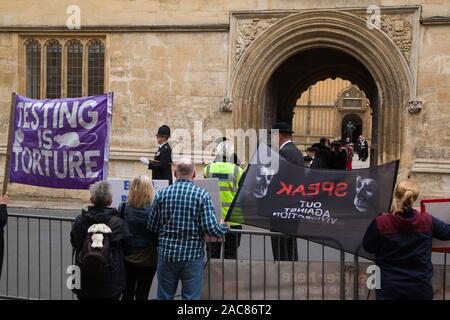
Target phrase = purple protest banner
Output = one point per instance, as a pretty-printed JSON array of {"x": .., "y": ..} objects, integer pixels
[{"x": 61, "y": 143}]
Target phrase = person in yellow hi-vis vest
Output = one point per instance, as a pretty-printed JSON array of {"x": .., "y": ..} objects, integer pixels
[{"x": 229, "y": 174}]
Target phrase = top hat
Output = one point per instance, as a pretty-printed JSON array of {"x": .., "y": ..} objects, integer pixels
[
  {"x": 283, "y": 127},
  {"x": 163, "y": 131}
]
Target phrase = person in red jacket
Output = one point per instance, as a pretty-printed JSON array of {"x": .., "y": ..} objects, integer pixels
[
  {"x": 402, "y": 241},
  {"x": 349, "y": 149}
]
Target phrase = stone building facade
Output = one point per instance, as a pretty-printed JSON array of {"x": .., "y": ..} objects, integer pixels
[
  {"x": 325, "y": 109},
  {"x": 244, "y": 64}
]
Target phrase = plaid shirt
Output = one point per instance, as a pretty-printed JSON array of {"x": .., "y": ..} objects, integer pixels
[{"x": 181, "y": 214}]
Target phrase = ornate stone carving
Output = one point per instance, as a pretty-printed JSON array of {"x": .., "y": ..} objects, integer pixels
[
  {"x": 399, "y": 28},
  {"x": 414, "y": 107},
  {"x": 351, "y": 98},
  {"x": 247, "y": 31},
  {"x": 226, "y": 105}
]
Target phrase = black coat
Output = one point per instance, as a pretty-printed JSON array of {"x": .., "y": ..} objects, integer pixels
[
  {"x": 286, "y": 247},
  {"x": 318, "y": 163},
  {"x": 3, "y": 221},
  {"x": 120, "y": 243},
  {"x": 291, "y": 153},
  {"x": 162, "y": 170}
]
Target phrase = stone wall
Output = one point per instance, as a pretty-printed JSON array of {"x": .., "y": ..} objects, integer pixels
[
  {"x": 430, "y": 130},
  {"x": 176, "y": 12},
  {"x": 163, "y": 78},
  {"x": 176, "y": 78}
]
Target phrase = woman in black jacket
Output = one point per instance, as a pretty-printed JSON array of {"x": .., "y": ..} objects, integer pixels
[{"x": 4, "y": 200}]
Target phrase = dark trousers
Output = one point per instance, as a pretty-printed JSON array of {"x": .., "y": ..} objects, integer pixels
[
  {"x": 1, "y": 251},
  {"x": 284, "y": 249},
  {"x": 232, "y": 243},
  {"x": 139, "y": 281},
  {"x": 364, "y": 154}
]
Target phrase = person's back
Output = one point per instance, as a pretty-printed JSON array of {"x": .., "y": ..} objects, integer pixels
[
  {"x": 402, "y": 243},
  {"x": 118, "y": 242},
  {"x": 182, "y": 214},
  {"x": 229, "y": 175},
  {"x": 181, "y": 224},
  {"x": 136, "y": 219},
  {"x": 291, "y": 153}
]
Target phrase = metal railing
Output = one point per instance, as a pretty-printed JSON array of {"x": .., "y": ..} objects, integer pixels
[{"x": 38, "y": 252}]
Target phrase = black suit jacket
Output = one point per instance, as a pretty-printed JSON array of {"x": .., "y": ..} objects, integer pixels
[
  {"x": 291, "y": 153},
  {"x": 162, "y": 170},
  {"x": 318, "y": 163}
]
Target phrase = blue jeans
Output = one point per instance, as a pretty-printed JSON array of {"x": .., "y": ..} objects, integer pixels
[{"x": 190, "y": 273}]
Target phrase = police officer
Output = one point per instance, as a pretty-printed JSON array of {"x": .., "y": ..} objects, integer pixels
[
  {"x": 229, "y": 175},
  {"x": 161, "y": 165}
]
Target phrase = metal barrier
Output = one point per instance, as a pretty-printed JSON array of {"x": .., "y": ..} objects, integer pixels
[{"x": 38, "y": 251}]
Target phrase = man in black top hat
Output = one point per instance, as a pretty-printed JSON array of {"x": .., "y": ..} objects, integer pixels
[
  {"x": 162, "y": 162},
  {"x": 287, "y": 148},
  {"x": 285, "y": 249}
]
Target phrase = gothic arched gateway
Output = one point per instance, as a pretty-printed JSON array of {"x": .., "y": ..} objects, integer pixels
[{"x": 303, "y": 48}]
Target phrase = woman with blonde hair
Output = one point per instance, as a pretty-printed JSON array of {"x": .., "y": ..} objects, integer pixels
[
  {"x": 401, "y": 241},
  {"x": 140, "y": 265}
]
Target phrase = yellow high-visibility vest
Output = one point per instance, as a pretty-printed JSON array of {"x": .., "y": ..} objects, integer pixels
[{"x": 229, "y": 176}]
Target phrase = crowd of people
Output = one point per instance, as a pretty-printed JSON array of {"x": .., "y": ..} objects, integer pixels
[
  {"x": 119, "y": 251},
  {"x": 335, "y": 155}
]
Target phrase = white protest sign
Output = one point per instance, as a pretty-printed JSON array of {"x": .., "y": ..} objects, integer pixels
[
  {"x": 438, "y": 208},
  {"x": 211, "y": 185},
  {"x": 120, "y": 189}
]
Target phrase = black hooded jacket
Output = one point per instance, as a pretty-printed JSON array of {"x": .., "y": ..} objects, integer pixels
[
  {"x": 120, "y": 243},
  {"x": 3, "y": 221}
]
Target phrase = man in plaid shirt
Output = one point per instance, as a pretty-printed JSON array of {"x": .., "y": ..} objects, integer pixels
[{"x": 181, "y": 214}]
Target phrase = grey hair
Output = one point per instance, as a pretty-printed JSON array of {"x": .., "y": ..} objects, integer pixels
[
  {"x": 100, "y": 193},
  {"x": 185, "y": 168}
]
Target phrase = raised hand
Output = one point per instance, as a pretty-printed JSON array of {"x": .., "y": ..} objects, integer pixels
[{"x": 4, "y": 199}]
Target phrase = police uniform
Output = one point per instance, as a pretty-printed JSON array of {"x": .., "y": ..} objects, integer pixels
[
  {"x": 229, "y": 175},
  {"x": 162, "y": 170},
  {"x": 162, "y": 167}
]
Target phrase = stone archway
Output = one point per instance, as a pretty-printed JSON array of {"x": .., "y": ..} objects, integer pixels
[{"x": 333, "y": 30}]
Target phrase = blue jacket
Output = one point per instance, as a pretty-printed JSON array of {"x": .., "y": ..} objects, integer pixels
[
  {"x": 137, "y": 218},
  {"x": 402, "y": 245}
]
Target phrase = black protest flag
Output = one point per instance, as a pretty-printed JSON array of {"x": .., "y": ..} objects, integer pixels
[{"x": 333, "y": 207}]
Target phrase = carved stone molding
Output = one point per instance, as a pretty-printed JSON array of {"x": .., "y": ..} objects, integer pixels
[
  {"x": 247, "y": 31},
  {"x": 431, "y": 166},
  {"x": 399, "y": 29},
  {"x": 397, "y": 23},
  {"x": 433, "y": 153},
  {"x": 415, "y": 106},
  {"x": 226, "y": 105}
]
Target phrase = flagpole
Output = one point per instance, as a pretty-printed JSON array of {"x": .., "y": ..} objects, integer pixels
[{"x": 8, "y": 144}]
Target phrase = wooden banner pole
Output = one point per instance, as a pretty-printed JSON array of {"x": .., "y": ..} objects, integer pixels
[{"x": 8, "y": 144}]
